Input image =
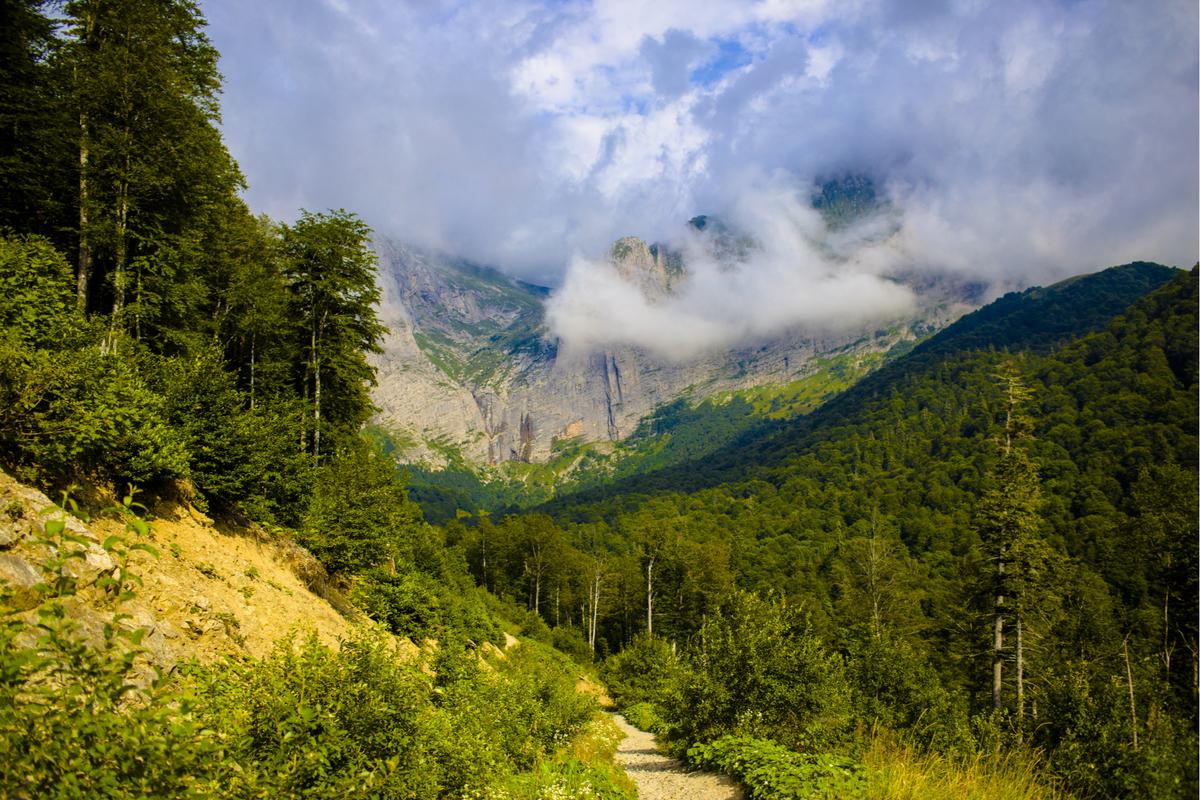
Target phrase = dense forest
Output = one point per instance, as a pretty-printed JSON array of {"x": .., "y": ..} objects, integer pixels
[
  {"x": 160, "y": 343},
  {"x": 975, "y": 547},
  {"x": 980, "y": 560}
]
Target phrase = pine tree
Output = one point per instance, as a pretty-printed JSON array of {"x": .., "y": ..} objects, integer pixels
[{"x": 1008, "y": 519}]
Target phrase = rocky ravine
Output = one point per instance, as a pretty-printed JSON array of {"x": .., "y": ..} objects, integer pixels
[{"x": 468, "y": 364}]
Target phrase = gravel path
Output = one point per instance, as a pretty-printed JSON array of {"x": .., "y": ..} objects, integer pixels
[{"x": 659, "y": 777}]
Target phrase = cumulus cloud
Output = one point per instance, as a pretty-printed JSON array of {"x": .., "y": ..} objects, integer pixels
[
  {"x": 1018, "y": 141},
  {"x": 792, "y": 275}
]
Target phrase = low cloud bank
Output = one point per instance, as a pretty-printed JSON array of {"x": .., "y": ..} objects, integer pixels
[{"x": 796, "y": 275}]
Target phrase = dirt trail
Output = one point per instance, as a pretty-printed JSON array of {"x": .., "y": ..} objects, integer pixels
[{"x": 659, "y": 777}]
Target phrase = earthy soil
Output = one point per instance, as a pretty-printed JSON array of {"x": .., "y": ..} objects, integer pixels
[
  {"x": 227, "y": 593},
  {"x": 660, "y": 777},
  {"x": 211, "y": 591}
]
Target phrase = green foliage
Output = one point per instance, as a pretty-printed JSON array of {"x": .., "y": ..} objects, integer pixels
[
  {"x": 74, "y": 720},
  {"x": 37, "y": 298},
  {"x": 646, "y": 716},
  {"x": 310, "y": 722},
  {"x": 420, "y": 606},
  {"x": 359, "y": 515},
  {"x": 566, "y": 778},
  {"x": 329, "y": 270},
  {"x": 886, "y": 513},
  {"x": 758, "y": 669},
  {"x": 74, "y": 413},
  {"x": 771, "y": 771},
  {"x": 1043, "y": 317},
  {"x": 894, "y": 687},
  {"x": 236, "y": 455},
  {"x": 639, "y": 673},
  {"x": 364, "y": 720}
]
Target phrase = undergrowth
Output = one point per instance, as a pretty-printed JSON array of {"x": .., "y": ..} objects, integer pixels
[{"x": 307, "y": 721}]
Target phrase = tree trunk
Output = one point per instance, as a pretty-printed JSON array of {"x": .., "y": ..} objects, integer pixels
[
  {"x": 84, "y": 276},
  {"x": 316, "y": 363},
  {"x": 253, "y": 342},
  {"x": 1020, "y": 679},
  {"x": 998, "y": 645},
  {"x": 304, "y": 414},
  {"x": 650, "y": 598},
  {"x": 137, "y": 307},
  {"x": 483, "y": 561},
  {"x": 873, "y": 578},
  {"x": 83, "y": 279},
  {"x": 120, "y": 257},
  {"x": 594, "y": 602},
  {"x": 1168, "y": 648},
  {"x": 1133, "y": 721}
]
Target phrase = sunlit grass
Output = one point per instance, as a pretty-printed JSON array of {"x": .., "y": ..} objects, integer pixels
[
  {"x": 597, "y": 746},
  {"x": 898, "y": 772}
]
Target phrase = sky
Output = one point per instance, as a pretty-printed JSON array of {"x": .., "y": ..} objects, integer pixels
[{"x": 1014, "y": 142}]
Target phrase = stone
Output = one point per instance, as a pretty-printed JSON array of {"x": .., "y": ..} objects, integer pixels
[{"x": 20, "y": 577}]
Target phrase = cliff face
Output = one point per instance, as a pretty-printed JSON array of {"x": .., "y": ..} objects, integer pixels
[{"x": 469, "y": 366}]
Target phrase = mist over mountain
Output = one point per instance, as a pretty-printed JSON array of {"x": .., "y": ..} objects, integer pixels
[
  {"x": 819, "y": 261},
  {"x": 1021, "y": 141}
]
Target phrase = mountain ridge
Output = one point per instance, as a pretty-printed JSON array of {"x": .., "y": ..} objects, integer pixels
[{"x": 471, "y": 373}]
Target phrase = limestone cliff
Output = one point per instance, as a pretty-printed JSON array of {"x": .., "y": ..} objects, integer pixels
[{"x": 470, "y": 369}]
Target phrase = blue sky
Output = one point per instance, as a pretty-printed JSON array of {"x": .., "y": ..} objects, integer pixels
[{"x": 1017, "y": 140}]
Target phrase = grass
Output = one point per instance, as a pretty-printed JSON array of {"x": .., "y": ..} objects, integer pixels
[
  {"x": 897, "y": 772},
  {"x": 597, "y": 746}
]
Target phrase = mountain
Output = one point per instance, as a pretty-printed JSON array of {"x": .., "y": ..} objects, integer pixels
[
  {"x": 1036, "y": 320},
  {"x": 470, "y": 375},
  {"x": 1001, "y": 524}
]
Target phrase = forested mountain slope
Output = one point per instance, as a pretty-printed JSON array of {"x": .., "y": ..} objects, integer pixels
[
  {"x": 1037, "y": 320},
  {"x": 876, "y": 514}
]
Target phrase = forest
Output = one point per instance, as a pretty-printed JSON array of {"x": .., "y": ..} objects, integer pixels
[{"x": 979, "y": 562}]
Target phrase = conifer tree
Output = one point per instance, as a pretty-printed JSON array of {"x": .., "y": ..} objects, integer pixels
[{"x": 1008, "y": 519}]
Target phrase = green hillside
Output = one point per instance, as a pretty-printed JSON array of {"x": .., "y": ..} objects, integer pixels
[{"x": 882, "y": 518}]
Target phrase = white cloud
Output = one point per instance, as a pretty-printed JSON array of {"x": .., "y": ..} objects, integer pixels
[
  {"x": 790, "y": 280},
  {"x": 1020, "y": 140}
]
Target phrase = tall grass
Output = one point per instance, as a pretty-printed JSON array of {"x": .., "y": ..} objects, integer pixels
[{"x": 898, "y": 772}]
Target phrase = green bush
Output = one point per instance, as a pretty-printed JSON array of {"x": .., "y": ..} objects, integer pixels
[
  {"x": 73, "y": 724},
  {"x": 758, "y": 670},
  {"x": 37, "y": 293},
  {"x": 645, "y": 716},
  {"x": 641, "y": 672},
  {"x": 418, "y": 606},
  {"x": 359, "y": 516},
  {"x": 772, "y": 772},
  {"x": 311, "y": 722},
  {"x": 76, "y": 413},
  {"x": 569, "y": 640}
]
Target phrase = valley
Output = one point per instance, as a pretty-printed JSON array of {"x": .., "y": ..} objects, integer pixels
[{"x": 772, "y": 400}]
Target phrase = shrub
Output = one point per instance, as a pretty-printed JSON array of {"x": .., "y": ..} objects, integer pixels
[
  {"x": 759, "y": 671},
  {"x": 72, "y": 723},
  {"x": 641, "y": 672},
  {"x": 773, "y": 772}
]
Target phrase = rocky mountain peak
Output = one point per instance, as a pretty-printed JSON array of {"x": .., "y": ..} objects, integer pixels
[{"x": 654, "y": 269}]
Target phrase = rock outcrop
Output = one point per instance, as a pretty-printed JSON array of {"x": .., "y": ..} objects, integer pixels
[
  {"x": 207, "y": 593},
  {"x": 469, "y": 367}
]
